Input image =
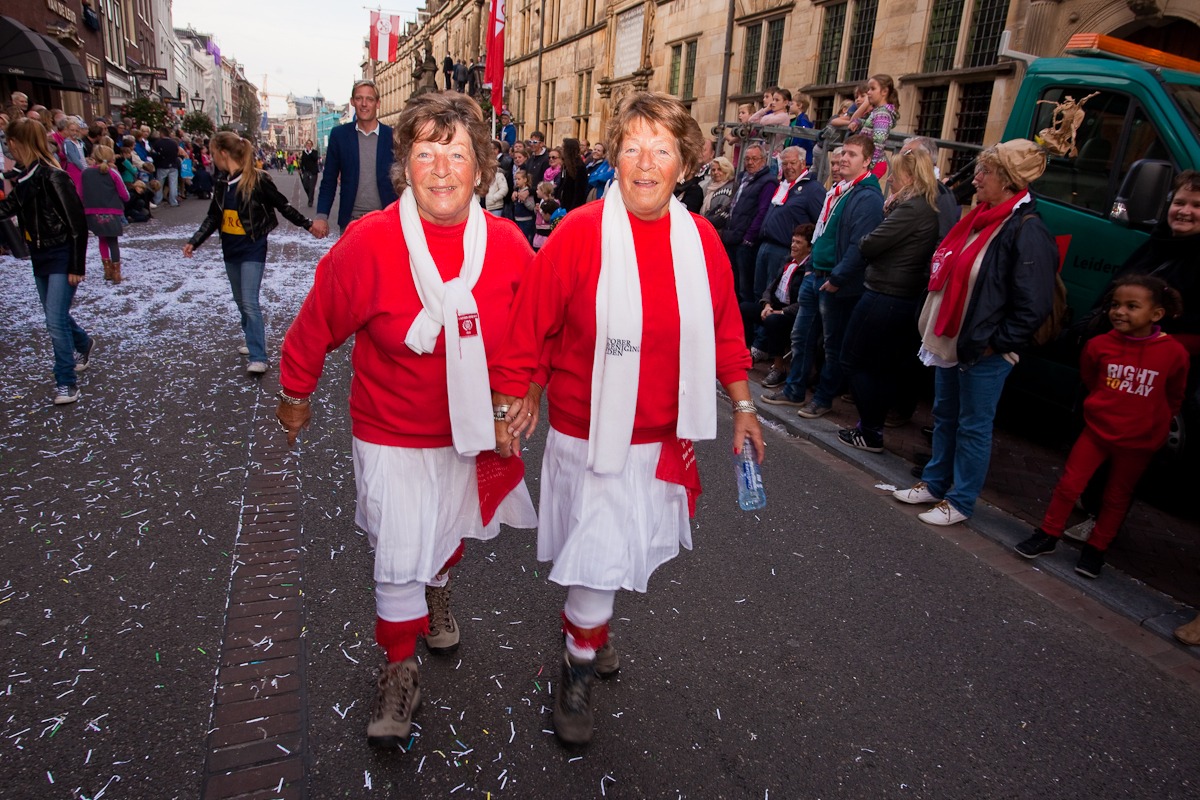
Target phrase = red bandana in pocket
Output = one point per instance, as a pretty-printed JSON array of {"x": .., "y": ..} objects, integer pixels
[{"x": 677, "y": 464}]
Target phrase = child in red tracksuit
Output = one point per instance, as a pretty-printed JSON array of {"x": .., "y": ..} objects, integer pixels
[{"x": 1135, "y": 375}]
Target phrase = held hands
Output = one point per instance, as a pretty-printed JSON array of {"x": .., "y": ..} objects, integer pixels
[
  {"x": 293, "y": 418},
  {"x": 320, "y": 228},
  {"x": 520, "y": 418}
]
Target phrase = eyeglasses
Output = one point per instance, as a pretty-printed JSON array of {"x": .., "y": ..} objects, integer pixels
[{"x": 555, "y": 158}]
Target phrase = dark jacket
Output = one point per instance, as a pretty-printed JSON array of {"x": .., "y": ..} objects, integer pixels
[
  {"x": 49, "y": 212},
  {"x": 899, "y": 249},
  {"x": 310, "y": 162},
  {"x": 1014, "y": 291},
  {"x": 748, "y": 212},
  {"x": 536, "y": 166},
  {"x": 802, "y": 204},
  {"x": 572, "y": 192},
  {"x": 949, "y": 211},
  {"x": 718, "y": 205},
  {"x": 862, "y": 213},
  {"x": 690, "y": 194},
  {"x": 257, "y": 216},
  {"x": 1174, "y": 259},
  {"x": 165, "y": 153},
  {"x": 792, "y": 307},
  {"x": 341, "y": 158}
]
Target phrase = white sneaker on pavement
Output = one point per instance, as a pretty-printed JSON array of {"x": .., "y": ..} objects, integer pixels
[
  {"x": 942, "y": 514},
  {"x": 256, "y": 368},
  {"x": 917, "y": 495}
]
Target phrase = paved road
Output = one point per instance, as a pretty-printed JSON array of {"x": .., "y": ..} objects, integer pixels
[{"x": 829, "y": 646}]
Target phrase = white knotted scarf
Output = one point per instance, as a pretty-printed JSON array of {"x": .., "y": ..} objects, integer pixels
[
  {"x": 450, "y": 306},
  {"x": 617, "y": 359}
]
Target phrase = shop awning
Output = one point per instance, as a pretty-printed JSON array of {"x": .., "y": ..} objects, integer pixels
[
  {"x": 26, "y": 54},
  {"x": 74, "y": 77}
]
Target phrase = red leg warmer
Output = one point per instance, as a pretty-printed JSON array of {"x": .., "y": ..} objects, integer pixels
[
  {"x": 399, "y": 639},
  {"x": 587, "y": 638}
]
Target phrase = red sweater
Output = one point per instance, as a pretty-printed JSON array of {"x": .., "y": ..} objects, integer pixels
[
  {"x": 364, "y": 287},
  {"x": 558, "y": 299},
  {"x": 1134, "y": 388}
]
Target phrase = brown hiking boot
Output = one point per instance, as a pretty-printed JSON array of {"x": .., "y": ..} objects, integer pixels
[
  {"x": 397, "y": 696},
  {"x": 107, "y": 268},
  {"x": 607, "y": 662},
  {"x": 573, "y": 702},
  {"x": 443, "y": 629},
  {"x": 116, "y": 272}
]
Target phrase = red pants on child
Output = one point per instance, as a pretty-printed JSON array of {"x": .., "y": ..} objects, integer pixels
[{"x": 1089, "y": 452}]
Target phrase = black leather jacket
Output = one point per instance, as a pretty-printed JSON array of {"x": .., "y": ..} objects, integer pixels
[
  {"x": 49, "y": 212},
  {"x": 257, "y": 215}
]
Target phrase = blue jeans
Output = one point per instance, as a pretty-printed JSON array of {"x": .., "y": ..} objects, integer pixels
[
  {"x": 805, "y": 331},
  {"x": 170, "y": 180},
  {"x": 56, "y": 293},
  {"x": 964, "y": 408},
  {"x": 245, "y": 278},
  {"x": 880, "y": 339},
  {"x": 767, "y": 266}
]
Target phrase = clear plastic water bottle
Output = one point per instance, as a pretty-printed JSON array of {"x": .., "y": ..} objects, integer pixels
[{"x": 746, "y": 469}]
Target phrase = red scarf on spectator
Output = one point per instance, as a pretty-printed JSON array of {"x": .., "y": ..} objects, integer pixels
[{"x": 954, "y": 258}]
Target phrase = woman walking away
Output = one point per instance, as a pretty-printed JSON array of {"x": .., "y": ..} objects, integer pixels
[
  {"x": 1135, "y": 376},
  {"x": 634, "y": 297},
  {"x": 992, "y": 287},
  {"x": 104, "y": 198},
  {"x": 243, "y": 209},
  {"x": 425, "y": 288},
  {"x": 51, "y": 219}
]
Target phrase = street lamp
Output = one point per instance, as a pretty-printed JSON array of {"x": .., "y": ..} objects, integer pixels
[
  {"x": 144, "y": 82},
  {"x": 226, "y": 117},
  {"x": 197, "y": 101}
]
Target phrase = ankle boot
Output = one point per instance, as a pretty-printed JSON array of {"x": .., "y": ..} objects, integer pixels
[
  {"x": 107, "y": 268},
  {"x": 443, "y": 636},
  {"x": 116, "y": 272},
  {"x": 573, "y": 702}
]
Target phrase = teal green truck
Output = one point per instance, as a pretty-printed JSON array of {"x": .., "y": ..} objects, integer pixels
[{"x": 1141, "y": 127}]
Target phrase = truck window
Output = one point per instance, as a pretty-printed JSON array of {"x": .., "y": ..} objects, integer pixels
[{"x": 1086, "y": 181}]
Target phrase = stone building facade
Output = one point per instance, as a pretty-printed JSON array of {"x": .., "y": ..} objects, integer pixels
[{"x": 567, "y": 62}]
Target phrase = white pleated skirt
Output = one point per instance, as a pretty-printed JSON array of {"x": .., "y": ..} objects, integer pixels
[
  {"x": 608, "y": 531},
  {"x": 417, "y": 504}
]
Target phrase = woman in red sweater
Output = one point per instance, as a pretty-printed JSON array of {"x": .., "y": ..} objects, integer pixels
[
  {"x": 425, "y": 286},
  {"x": 1135, "y": 375},
  {"x": 637, "y": 295}
]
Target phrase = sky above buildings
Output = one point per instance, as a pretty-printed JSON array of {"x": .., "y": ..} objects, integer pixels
[{"x": 300, "y": 45}]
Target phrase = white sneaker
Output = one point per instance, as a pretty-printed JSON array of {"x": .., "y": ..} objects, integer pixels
[
  {"x": 942, "y": 514},
  {"x": 917, "y": 495},
  {"x": 244, "y": 350},
  {"x": 256, "y": 368},
  {"x": 1081, "y": 532}
]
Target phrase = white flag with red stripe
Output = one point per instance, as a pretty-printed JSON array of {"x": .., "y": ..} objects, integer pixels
[
  {"x": 385, "y": 34},
  {"x": 494, "y": 72}
]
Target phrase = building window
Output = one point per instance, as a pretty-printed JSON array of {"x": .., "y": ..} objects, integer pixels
[
  {"x": 750, "y": 59},
  {"x": 589, "y": 13},
  {"x": 822, "y": 110},
  {"x": 943, "y": 35},
  {"x": 760, "y": 65},
  {"x": 583, "y": 104},
  {"x": 553, "y": 14},
  {"x": 987, "y": 24},
  {"x": 548, "y": 89},
  {"x": 830, "y": 52},
  {"x": 682, "y": 81},
  {"x": 114, "y": 40},
  {"x": 931, "y": 111},
  {"x": 858, "y": 56},
  {"x": 518, "y": 110},
  {"x": 973, "y": 105}
]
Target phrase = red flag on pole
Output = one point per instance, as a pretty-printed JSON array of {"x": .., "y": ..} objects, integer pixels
[
  {"x": 494, "y": 73},
  {"x": 385, "y": 33}
]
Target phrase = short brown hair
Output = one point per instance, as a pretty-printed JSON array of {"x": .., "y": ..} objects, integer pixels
[
  {"x": 664, "y": 111},
  {"x": 1188, "y": 179},
  {"x": 864, "y": 142},
  {"x": 443, "y": 113}
]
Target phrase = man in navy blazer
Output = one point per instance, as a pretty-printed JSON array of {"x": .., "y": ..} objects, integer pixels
[{"x": 360, "y": 154}]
